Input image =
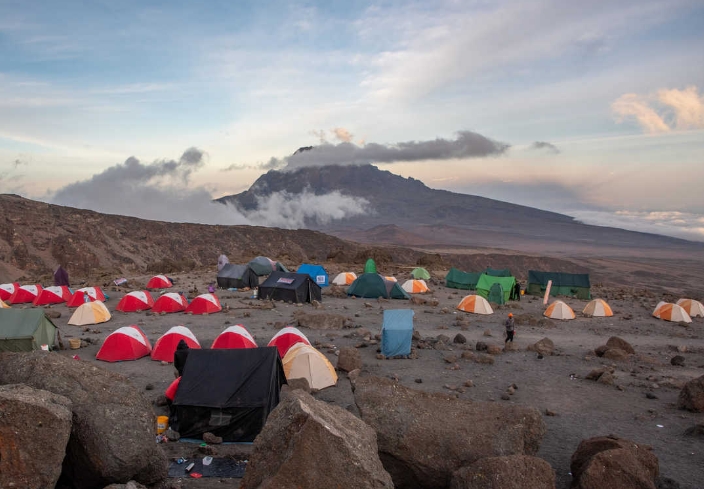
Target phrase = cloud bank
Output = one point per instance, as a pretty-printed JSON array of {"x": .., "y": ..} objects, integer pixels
[
  {"x": 549, "y": 147},
  {"x": 664, "y": 111},
  {"x": 684, "y": 225}
]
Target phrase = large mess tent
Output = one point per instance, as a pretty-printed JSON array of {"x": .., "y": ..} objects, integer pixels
[
  {"x": 569, "y": 284},
  {"x": 498, "y": 272},
  {"x": 457, "y": 279},
  {"x": 237, "y": 276},
  {"x": 25, "y": 330},
  {"x": 498, "y": 290}
]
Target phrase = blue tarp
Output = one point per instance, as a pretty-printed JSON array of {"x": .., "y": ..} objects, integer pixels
[
  {"x": 397, "y": 332},
  {"x": 316, "y": 272}
]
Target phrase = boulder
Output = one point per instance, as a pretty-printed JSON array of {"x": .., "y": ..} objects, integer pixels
[
  {"x": 34, "y": 429},
  {"x": 480, "y": 346},
  {"x": 424, "y": 437},
  {"x": 692, "y": 395},
  {"x": 321, "y": 321},
  {"x": 544, "y": 346},
  {"x": 621, "y": 344},
  {"x": 615, "y": 354},
  {"x": 309, "y": 443},
  {"x": 598, "y": 372},
  {"x": 349, "y": 359},
  {"x": 510, "y": 472},
  {"x": 459, "y": 338},
  {"x": 494, "y": 349},
  {"x": 112, "y": 435},
  {"x": 601, "y": 350},
  {"x": 677, "y": 361},
  {"x": 300, "y": 383},
  {"x": 609, "y": 461}
]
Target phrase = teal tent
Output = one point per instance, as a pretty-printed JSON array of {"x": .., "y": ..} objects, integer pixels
[
  {"x": 486, "y": 281},
  {"x": 373, "y": 285},
  {"x": 25, "y": 330},
  {"x": 420, "y": 274},
  {"x": 496, "y": 294},
  {"x": 397, "y": 332},
  {"x": 370, "y": 266},
  {"x": 457, "y": 279},
  {"x": 570, "y": 284}
]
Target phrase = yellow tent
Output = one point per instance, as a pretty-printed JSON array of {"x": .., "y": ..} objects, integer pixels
[
  {"x": 476, "y": 304},
  {"x": 90, "y": 313},
  {"x": 304, "y": 361},
  {"x": 598, "y": 308},
  {"x": 3, "y": 305},
  {"x": 559, "y": 310}
]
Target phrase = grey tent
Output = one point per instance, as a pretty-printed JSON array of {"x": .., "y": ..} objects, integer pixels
[
  {"x": 25, "y": 330},
  {"x": 237, "y": 276},
  {"x": 262, "y": 265}
]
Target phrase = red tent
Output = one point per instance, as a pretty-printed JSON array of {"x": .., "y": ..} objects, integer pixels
[
  {"x": 170, "y": 392},
  {"x": 56, "y": 294},
  {"x": 234, "y": 337},
  {"x": 159, "y": 282},
  {"x": 79, "y": 297},
  {"x": 136, "y": 301},
  {"x": 204, "y": 304},
  {"x": 6, "y": 290},
  {"x": 165, "y": 346},
  {"x": 286, "y": 338},
  {"x": 126, "y": 343},
  {"x": 171, "y": 302},
  {"x": 24, "y": 294}
]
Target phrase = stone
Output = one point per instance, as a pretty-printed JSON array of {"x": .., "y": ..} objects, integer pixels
[
  {"x": 418, "y": 446},
  {"x": 615, "y": 354},
  {"x": 621, "y": 344},
  {"x": 349, "y": 359},
  {"x": 450, "y": 357},
  {"x": 677, "y": 361},
  {"x": 606, "y": 378},
  {"x": 609, "y": 461},
  {"x": 208, "y": 437},
  {"x": 691, "y": 396},
  {"x": 650, "y": 395},
  {"x": 459, "y": 338},
  {"x": 172, "y": 435},
  {"x": 34, "y": 429},
  {"x": 485, "y": 359},
  {"x": 696, "y": 430},
  {"x": 543, "y": 347},
  {"x": 320, "y": 321},
  {"x": 509, "y": 472},
  {"x": 601, "y": 350},
  {"x": 112, "y": 435},
  {"x": 468, "y": 355},
  {"x": 309, "y": 443},
  {"x": 299, "y": 383},
  {"x": 353, "y": 375},
  {"x": 480, "y": 346},
  {"x": 598, "y": 372},
  {"x": 487, "y": 332},
  {"x": 493, "y": 350}
]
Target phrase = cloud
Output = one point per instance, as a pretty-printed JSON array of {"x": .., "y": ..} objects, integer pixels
[
  {"x": 549, "y": 147},
  {"x": 343, "y": 134},
  {"x": 235, "y": 167},
  {"x": 684, "y": 225},
  {"x": 665, "y": 111}
]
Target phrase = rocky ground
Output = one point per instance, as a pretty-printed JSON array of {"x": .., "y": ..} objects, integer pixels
[{"x": 637, "y": 401}]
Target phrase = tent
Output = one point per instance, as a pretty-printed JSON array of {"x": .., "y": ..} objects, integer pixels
[
  {"x": 498, "y": 272},
  {"x": 598, "y": 308},
  {"x": 204, "y": 304},
  {"x": 237, "y": 276},
  {"x": 672, "y": 312},
  {"x": 286, "y": 338},
  {"x": 373, "y": 285},
  {"x": 390, "y": 278},
  {"x": 25, "y": 294},
  {"x": 370, "y": 266},
  {"x": 86, "y": 294},
  {"x": 159, "y": 282},
  {"x": 305, "y": 362},
  {"x": 415, "y": 286},
  {"x": 485, "y": 283},
  {"x": 475, "y": 304},
  {"x": 344, "y": 278},
  {"x": 6, "y": 290},
  {"x": 235, "y": 336},
  {"x": 123, "y": 344},
  {"x": 290, "y": 287},
  {"x": 570, "y": 284},
  {"x": 56, "y": 294},
  {"x": 61, "y": 277},
  {"x": 420, "y": 273},
  {"x": 397, "y": 332},
  {"x": 457, "y": 279},
  {"x": 316, "y": 272},
  {"x": 559, "y": 310},
  {"x": 694, "y": 308},
  {"x": 25, "y": 330},
  {"x": 3, "y": 305},
  {"x": 262, "y": 265},
  {"x": 170, "y": 302},
  {"x": 90, "y": 313},
  {"x": 222, "y": 261},
  {"x": 165, "y": 346},
  {"x": 139, "y": 300},
  {"x": 227, "y": 392}
]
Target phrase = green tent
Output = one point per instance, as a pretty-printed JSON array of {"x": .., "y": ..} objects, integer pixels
[
  {"x": 457, "y": 279},
  {"x": 373, "y": 285},
  {"x": 420, "y": 274},
  {"x": 486, "y": 281},
  {"x": 370, "y": 266},
  {"x": 498, "y": 272},
  {"x": 570, "y": 284},
  {"x": 496, "y": 294},
  {"x": 25, "y": 330}
]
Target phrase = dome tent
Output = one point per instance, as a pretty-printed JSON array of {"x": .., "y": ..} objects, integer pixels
[
  {"x": 373, "y": 285},
  {"x": 124, "y": 344},
  {"x": 598, "y": 308},
  {"x": 420, "y": 273},
  {"x": 165, "y": 346},
  {"x": 170, "y": 302},
  {"x": 559, "y": 310},
  {"x": 475, "y": 304},
  {"x": 344, "y": 278}
]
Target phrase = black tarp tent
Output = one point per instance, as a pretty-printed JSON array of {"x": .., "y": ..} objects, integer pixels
[
  {"x": 238, "y": 276},
  {"x": 228, "y": 392},
  {"x": 290, "y": 287}
]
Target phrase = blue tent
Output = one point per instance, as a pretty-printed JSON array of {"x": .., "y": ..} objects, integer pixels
[
  {"x": 397, "y": 332},
  {"x": 316, "y": 272}
]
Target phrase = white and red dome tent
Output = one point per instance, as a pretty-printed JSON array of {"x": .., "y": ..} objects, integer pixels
[
  {"x": 693, "y": 307},
  {"x": 139, "y": 300},
  {"x": 344, "y": 278},
  {"x": 56, "y": 294},
  {"x": 86, "y": 294},
  {"x": 286, "y": 338},
  {"x": 24, "y": 294},
  {"x": 165, "y": 346},
  {"x": 204, "y": 304},
  {"x": 235, "y": 336},
  {"x": 6, "y": 290},
  {"x": 415, "y": 286},
  {"x": 671, "y": 312},
  {"x": 123, "y": 344},
  {"x": 159, "y": 282},
  {"x": 170, "y": 302}
]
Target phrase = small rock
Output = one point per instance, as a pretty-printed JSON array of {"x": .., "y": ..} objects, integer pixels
[
  {"x": 550, "y": 413},
  {"x": 480, "y": 346},
  {"x": 172, "y": 435},
  {"x": 419, "y": 381},
  {"x": 606, "y": 378},
  {"x": 450, "y": 358},
  {"x": 468, "y": 383},
  {"x": 208, "y": 437},
  {"x": 510, "y": 390},
  {"x": 353, "y": 375},
  {"x": 650, "y": 395},
  {"x": 459, "y": 338},
  {"x": 505, "y": 397},
  {"x": 677, "y": 361},
  {"x": 207, "y": 450},
  {"x": 149, "y": 387},
  {"x": 487, "y": 332}
]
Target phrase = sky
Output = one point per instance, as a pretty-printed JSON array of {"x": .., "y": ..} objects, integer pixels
[{"x": 593, "y": 109}]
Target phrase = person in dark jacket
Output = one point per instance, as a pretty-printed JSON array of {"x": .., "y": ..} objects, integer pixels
[
  {"x": 180, "y": 356},
  {"x": 510, "y": 328}
]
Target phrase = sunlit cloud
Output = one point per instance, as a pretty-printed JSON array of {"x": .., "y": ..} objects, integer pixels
[{"x": 666, "y": 110}]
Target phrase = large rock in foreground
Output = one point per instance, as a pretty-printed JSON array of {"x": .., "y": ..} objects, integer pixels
[
  {"x": 609, "y": 461},
  {"x": 423, "y": 438},
  {"x": 308, "y": 443},
  {"x": 34, "y": 430},
  {"x": 692, "y": 395},
  {"x": 511, "y": 472},
  {"x": 112, "y": 436}
]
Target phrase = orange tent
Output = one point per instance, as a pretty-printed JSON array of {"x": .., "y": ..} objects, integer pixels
[
  {"x": 415, "y": 286},
  {"x": 476, "y": 304},
  {"x": 598, "y": 308},
  {"x": 344, "y": 278},
  {"x": 693, "y": 308},
  {"x": 559, "y": 310},
  {"x": 671, "y": 312}
]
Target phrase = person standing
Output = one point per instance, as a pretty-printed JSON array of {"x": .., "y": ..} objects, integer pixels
[{"x": 510, "y": 327}]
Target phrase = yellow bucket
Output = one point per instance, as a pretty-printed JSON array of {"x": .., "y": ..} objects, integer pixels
[{"x": 162, "y": 422}]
